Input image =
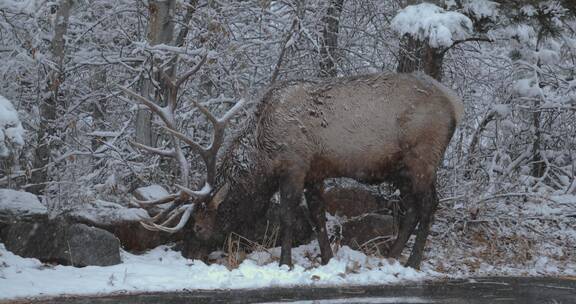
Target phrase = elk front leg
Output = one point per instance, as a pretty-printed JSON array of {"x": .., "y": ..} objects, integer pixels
[
  {"x": 318, "y": 214},
  {"x": 291, "y": 187},
  {"x": 429, "y": 205}
]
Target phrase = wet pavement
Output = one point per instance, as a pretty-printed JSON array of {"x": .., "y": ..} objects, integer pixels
[{"x": 479, "y": 290}]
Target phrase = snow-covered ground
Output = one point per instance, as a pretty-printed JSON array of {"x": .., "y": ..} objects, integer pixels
[
  {"x": 163, "y": 269},
  {"x": 505, "y": 235},
  {"x": 507, "y": 238}
]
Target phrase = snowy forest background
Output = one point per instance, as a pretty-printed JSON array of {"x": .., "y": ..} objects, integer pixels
[{"x": 508, "y": 182}]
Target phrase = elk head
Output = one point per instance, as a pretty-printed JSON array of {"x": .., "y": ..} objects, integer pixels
[{"x": 205, "y": 215}]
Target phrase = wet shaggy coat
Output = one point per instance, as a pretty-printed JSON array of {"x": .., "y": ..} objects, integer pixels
[
  {"x": 361, "y": 127},
  {"x": 373, "y": 128}
]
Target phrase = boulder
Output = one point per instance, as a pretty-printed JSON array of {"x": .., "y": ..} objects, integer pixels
[
  {"x": 369, "y": 231},
  {"x": 123, "y": 222},
  {"x": 349, "y": 201},
  {"x": 24, "y": 222},
  {"x": 57, "y": 241},
  {"x": 20, "y": 206},
  {"x": 92, "y": 246}
]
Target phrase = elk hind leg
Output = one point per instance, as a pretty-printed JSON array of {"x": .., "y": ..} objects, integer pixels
[
  {"x": 408, "y": 223},
  {"x": 318, "y": 214},
  {"x": 291, "y": 187},
  {"x": 427, "y": 210}
]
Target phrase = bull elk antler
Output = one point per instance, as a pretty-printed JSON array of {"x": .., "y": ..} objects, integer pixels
[{"x": 182, "y": 201}]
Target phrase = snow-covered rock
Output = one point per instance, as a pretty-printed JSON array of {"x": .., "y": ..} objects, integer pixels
[
  {"x": 149, "y": 193},
  {"x": 11, "y": 131},
  {"x": 123, "y": 222},
  {"x": 102, "y": 213},
  {"x": 18, "y": 206},
  {"x": 428, "y": 22},
  {"x": 61, "y": 242}
]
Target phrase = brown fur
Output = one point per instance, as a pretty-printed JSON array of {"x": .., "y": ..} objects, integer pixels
[{"x": 374, "y": 128}]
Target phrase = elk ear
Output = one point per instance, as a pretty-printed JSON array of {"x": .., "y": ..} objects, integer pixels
[{"x": 219, "y": 197}]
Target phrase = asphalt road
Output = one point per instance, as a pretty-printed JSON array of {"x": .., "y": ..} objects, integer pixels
[{"x": 481, "y": 290}]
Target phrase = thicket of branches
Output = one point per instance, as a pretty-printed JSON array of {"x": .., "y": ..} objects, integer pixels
[{"x": 61, "y": 62}]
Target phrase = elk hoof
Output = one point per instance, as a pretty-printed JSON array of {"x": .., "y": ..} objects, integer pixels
[
  {"x": 290, "y": 266},
  {"x": 414, "y": 262},
  {"x": 325, "y": 258},
  {"x": 287, "y": 262}
]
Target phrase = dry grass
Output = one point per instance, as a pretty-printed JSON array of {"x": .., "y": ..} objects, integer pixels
[
  {"x": 237, "y": 247},
  {"x": 502, "y": 235},
  {"x": 377, "y": 246}
]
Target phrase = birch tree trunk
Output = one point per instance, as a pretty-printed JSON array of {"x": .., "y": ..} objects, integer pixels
[
  {"x": 160, "y": 31},
  {"x": 49, "y": 105}
]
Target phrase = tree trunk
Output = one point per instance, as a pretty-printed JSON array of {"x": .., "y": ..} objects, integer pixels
[
  {"x": 49, "y": 105},
  {"x": 433, "y": 61},
  {"x": 294, "y": 30},
  {"x": 181, "y": 38},
  {"x": 329, "y": 41},
  {"x": 417, "y": 55},
  {"x": 97, "y": 82},
  {"x": 410, "y": 54},
  {"x": 538, "y": 165},
  {"x": 160, "y": 31}
]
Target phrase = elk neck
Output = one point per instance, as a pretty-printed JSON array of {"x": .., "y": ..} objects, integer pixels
[{"x": 250, "y": 178}]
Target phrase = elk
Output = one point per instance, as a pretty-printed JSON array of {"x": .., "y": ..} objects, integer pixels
[{"x": 378, "y": 128}]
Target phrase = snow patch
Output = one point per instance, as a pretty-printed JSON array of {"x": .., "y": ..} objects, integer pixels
[
  {"x": 25, "y": 6},
  {"x": 502, "y": 110},
  {"x": 522, "y": 32},
  {"x": 541, "y": 209},
  {"x": 20, "y": 203},
  {"x": 482, "y": 9},
  {"x": 11, "y": 131},
  {"x": 527, "y": 87},
  {"x": 428, "y": 22},
  {"x": 150, "y": 193},
  {"x": 565, "y": 199},
  {"x": 528, "y": 10},
  {"x": 547, "y": 56}
]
